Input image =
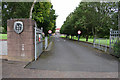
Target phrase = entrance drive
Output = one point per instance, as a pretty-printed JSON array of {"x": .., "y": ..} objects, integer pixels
[{"x": 67, "y": 55}]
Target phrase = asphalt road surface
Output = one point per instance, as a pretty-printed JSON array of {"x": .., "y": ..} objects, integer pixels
[{"x": 68, "y": 55}]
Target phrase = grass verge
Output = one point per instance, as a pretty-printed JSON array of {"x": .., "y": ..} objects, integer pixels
[
  {"x": 3, "y": 36},
  {"x": 90, "y": 40}
]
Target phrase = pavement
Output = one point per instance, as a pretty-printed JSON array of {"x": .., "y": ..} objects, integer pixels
[
  {"x": 15, "y": 69},
  {"x": 66, "y": 59}
]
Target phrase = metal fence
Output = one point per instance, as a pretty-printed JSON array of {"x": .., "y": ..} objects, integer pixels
[
  {"x": 107, "y": 44},
  {"x": 38, "y": 42},
  {"x": 114, "y": 37},
  {"x": 101, "y": 44}
]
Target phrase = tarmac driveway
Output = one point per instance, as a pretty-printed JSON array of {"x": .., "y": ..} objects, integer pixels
[{"x": 67, "y": 55}]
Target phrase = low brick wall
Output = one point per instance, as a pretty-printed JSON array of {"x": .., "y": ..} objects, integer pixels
[{"x": 3, "y": 39}]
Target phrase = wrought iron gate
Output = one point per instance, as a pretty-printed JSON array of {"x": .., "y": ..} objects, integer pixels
[
  {"x": 114, "y": 37},
  {"x": 38, "y": 41}
]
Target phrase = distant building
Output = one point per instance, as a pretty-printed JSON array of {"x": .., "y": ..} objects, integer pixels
[{"x": 57, "y": 30}]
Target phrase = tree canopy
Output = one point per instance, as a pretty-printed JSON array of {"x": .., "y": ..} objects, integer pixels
[
  {"x": 12, "y": 10},
  {"x": 92, "y": 18},
  {"x": 43, "y": 13},
  {"x": 119, "y": 15}
]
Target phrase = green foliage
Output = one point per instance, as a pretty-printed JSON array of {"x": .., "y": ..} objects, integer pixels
[
  {"x": 103, "y": 42},
  {"x": 12, "y": 10},
  {"x": 3, "y": 36},
  {"x": 43, "y": 13},
  {"x": 116, "y": 48},
  {"x": 119, "y": 15},
  {"x": 92, "y": 18}
]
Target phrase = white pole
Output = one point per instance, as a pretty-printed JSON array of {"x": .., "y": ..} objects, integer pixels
[
  {"x": 94, "y": 42},
  {"x": 110, "y": 37},
  {"x": 106, "y": 46},
  {"x": 35, "y": 44},
  {"x": 46, "y": 42},
  {"x": 99, "y": 44},
  {"x": 110, "y": 40}
]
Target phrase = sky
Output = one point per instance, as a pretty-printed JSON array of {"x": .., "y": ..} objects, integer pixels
[{"x": 63, "y": 8}]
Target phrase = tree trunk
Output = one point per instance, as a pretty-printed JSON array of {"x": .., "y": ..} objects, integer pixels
[
  {"x": 87, "y": 37},
  {"x": 66, "y": 36},
  {"x": 32, "y": 9},
  {"x": 71, "y": 37},
  {"x": 93, "y": 31}
]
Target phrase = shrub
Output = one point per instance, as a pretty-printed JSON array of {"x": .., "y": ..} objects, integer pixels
[{"x": 116, "y": 48}]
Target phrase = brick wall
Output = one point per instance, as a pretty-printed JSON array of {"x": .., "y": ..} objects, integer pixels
[{"x": 17, "y": 41}]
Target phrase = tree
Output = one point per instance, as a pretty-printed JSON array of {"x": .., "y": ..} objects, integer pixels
[
  {"x": 42, "y": 12},
  {"x": 92, "y": 18},
  {"x": 119, "y": 15},
  {"x": 12, "y": 10},
  {"x": 44, "y": 15}
]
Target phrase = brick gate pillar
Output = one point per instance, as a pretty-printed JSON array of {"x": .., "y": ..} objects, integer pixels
[{"x": 20, "y": 39}]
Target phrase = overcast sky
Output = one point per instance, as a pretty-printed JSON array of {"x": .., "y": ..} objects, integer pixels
[{"x": 63, "y": 8}]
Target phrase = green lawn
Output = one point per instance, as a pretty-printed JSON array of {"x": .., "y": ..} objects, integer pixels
[
  {"x": 3, "y": 36},
  {"x": 102, "y": 41}
]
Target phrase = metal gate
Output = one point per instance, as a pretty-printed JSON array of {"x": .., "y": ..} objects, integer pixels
[
  {"x": 38, "y": 41},
  {"x": 98, "y": 43},
  {"x": 114, "y": 37}
]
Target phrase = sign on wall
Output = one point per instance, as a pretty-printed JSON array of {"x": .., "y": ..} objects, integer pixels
[{"x": 18, "y": 27}]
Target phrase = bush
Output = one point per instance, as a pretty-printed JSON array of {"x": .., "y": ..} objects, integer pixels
[
  {"x": 2, "y": 30},
  {"x": 116, "y": 49}
]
